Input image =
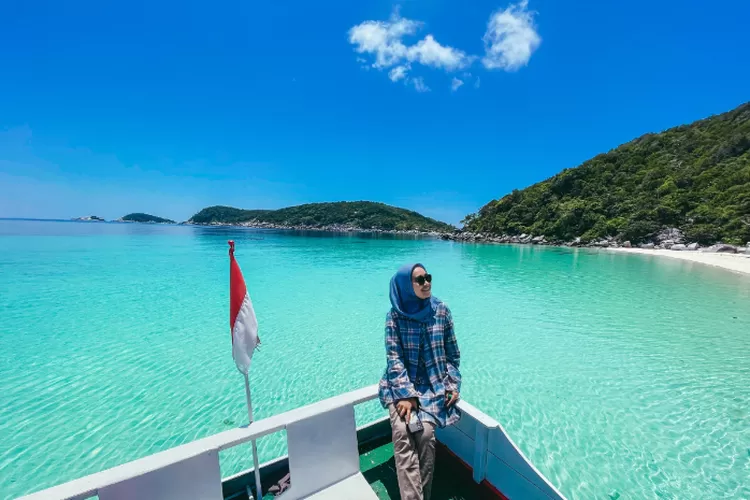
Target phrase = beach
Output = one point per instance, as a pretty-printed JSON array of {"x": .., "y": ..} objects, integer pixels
[{"x": 737, "y": 262}]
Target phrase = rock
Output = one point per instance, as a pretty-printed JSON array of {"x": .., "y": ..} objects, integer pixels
[
  {"x": 648, "y": 246},
  {"x": 537, "y": 239},
  {"x": 679, "y": 247},
  {"x": 722, "y": 248},
  {"x": 667, "y": 243},
  {"x": 627, "y": 244},
  {"x": 670, "y": 233},
  {"x": 693, "y": 246}
]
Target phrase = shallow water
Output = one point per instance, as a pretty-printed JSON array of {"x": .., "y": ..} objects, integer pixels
[{"x": 616, "y": 374}]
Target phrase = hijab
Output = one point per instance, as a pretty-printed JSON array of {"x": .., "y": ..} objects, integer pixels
[{"x": 404, "y": 300}]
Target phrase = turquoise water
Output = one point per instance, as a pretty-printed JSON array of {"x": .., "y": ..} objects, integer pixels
[{"x": 616, "y": 374}]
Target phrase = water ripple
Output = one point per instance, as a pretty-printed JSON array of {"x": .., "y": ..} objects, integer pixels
[{"x": 617, "y": 375}]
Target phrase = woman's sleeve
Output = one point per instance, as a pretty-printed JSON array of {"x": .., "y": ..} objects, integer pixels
[
  {"x": 398, "y": 380},
  {"x": 452, "y": 379}
]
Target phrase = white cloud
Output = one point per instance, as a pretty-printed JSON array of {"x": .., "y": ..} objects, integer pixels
[
  {"x": 399, "y": 72},
  {"x": 384, "y": 41},
  {"x": 419, "y": 84},
  {"x": 511, "y": 38},
  {"x": 509, "y": 42},
  {"x": 430, "y": 53}
]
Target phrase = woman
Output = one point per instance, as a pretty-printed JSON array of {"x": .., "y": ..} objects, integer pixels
[{"x": 421, "y": 378}]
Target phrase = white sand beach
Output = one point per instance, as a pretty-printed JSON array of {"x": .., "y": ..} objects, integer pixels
[{"x": 739, "y": 263}]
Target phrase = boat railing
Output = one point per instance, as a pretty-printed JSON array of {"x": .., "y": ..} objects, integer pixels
[{"x": 322, "y": 446}]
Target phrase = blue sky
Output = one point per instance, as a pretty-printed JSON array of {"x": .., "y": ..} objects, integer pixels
[{"x": 440, "y": 106}]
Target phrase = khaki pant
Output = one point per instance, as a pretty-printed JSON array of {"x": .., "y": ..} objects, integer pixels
[{"x": 415, "y": 457}]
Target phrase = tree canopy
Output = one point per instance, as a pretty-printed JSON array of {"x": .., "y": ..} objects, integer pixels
[{"x": 140, "y": 217}]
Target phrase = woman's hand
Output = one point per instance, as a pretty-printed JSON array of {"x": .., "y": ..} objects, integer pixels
[
  {"x": 404, "y": 407},
  {"x": 451, "y": 397}
]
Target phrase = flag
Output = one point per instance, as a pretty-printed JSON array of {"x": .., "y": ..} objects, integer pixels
[{"x": 242, "y": 321}]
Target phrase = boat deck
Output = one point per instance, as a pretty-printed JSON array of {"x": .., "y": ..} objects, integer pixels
[{"x": 452, "y": 479}]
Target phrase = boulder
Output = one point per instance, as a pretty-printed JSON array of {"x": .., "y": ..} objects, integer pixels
[
  {"x": 693, "y": 246},
  {"x": 670, "y": 233},
  {"x": 648, "y": 246},
  {"x": 722, "y": 248},
  {"x": 627, "y": 244},
  {"x": 679, "y": 247}
]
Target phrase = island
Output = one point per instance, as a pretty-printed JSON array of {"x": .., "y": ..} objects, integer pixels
[
  {"x": 678, "y": 189},
  {"x": 89, "y": 218},
  {"x": 145, "y": 219},
  {"x": 334, "y": 216}
]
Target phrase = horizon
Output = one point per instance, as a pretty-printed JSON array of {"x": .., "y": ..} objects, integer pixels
[
  {"x": 178, "y": 221},
  {"x": 436, "y": 108}
]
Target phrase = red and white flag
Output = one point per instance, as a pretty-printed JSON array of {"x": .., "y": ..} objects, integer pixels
[{"x": 242, "y": 320}]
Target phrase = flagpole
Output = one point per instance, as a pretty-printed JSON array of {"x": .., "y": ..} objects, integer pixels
[{"x": 258, "y": 490}]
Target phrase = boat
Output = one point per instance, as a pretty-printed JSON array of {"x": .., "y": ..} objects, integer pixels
[{"x": 329, "y": 458}]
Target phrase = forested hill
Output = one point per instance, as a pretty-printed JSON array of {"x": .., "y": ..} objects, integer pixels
[
  {"x": 693, "y": 177},
  {"x": 357, "y": 215},
  {"x": 141, "y": 217}
]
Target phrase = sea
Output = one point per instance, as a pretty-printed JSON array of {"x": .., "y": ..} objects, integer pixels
[{"x": 619, "y": 376}]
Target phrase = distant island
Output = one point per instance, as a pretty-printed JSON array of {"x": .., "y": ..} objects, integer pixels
[
  {"x": 689, "y": 184},
  {"x": 145, "y": 218},
  {"x": 336, "y": 216},
  {"x": 89, "y": 218}
]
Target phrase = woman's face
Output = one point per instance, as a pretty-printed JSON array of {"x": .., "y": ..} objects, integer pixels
[{"x": 422, "y": 283}]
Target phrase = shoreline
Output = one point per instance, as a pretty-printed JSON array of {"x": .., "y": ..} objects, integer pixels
[
  {"x": 325, "y": 229},
  {"x": 734, "y": 262}
]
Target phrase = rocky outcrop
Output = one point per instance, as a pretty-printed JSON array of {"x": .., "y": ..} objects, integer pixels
[
  {"x": 89, "y": 218},
  {"x": 721, "y": 248},
  {"x": 668, "y": 239},
  {"x": 669, "y": 236}
]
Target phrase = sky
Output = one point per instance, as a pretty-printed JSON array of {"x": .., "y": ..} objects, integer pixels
[{"x": 108, "y": 108}]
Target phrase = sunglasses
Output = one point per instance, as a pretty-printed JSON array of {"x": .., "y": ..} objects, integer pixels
[{"x": 420, "y": 280}]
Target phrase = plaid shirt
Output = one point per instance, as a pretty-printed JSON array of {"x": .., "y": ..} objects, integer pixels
[{"x": 423, "y": 361}]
